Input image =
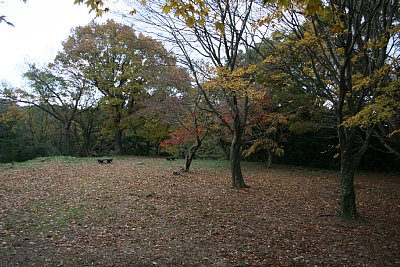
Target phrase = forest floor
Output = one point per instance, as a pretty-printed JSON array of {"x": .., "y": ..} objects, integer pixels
[{"x": 136, "y": 212}]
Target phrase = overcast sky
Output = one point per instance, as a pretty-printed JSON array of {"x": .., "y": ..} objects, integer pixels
[{"x": 40, "y": 27}]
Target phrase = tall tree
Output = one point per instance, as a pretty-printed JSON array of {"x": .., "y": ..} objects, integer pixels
[
  {"x": 348, "y": 52},
  {"x": 121, "y": 65},
  {"x": 208, "y": 37}
]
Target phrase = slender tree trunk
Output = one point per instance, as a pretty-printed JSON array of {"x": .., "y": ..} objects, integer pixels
[
  {"x": 193, "y": 149},
  {"x": 235, "y": 153},
  {"x": 269, "y": 158},
  {"x": 118, "y": 131},
  {"x": 88, "y": 138},
  {"x": 191, "y": 155},
  {"x": 348, "y": 165},
  {"x": 236, "y": 169}
]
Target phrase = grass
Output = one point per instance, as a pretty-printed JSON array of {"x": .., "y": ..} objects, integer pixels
[
  {"x": 33, "y": 162},
  {"x": 199, "y": 164},
  {"x": 174, "y": 164}
]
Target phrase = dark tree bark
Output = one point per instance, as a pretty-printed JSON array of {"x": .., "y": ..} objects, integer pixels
[
  {"x": 193, "y": 149},
  {"x": 347, "y": 193},
  {"x": 191, "y": 155},
  {"x": 351, "y": 155},
  {"x": 236, "y": 147}
]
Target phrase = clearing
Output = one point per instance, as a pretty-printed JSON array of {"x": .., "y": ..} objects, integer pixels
[{"x": 136, "y": 212}]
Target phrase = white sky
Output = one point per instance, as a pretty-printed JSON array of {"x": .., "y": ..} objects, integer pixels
[{"x": 40, "y": 28}]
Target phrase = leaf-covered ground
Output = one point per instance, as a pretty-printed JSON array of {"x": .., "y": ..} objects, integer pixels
[{"x": 136, "y": 212}]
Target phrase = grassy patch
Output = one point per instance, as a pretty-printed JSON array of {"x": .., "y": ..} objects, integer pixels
[
  {"x": 32, "y": 162},
  {"x": 213, "y": 164},
  {"x": 198, "y": 164}
]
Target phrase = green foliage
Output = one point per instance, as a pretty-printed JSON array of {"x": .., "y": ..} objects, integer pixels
[
  {"x": 12, "y": 140},
  {"x": 171, "y": 150},
  {"x": 122, "y": 66},
  {"x": 211, "y": 149},
  {"x": 302, "y": 127}
]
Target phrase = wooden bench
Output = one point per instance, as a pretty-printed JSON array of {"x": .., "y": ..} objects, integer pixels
[{"x": 101, "y": 160}]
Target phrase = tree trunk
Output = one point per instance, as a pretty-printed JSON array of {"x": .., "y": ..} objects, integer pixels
[
  {"x": 347, "y": 193},
  {"x": 270, "y": 156},
  {"x": 193, "y": 149},
  {"x": 191, "y": 155},
  {"x": 236, "y": 169},
  {"x": 86, "y": 134},
  {"x": 67, "y": 144},
  {"x": 235, "y": 155},
  {"x": 118, "y": 142}
]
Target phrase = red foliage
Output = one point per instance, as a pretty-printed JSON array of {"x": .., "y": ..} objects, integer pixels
[{"x": 182, "y": 135}]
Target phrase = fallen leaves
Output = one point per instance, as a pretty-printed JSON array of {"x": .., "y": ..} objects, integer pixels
[{"x": 124, "y": 213}]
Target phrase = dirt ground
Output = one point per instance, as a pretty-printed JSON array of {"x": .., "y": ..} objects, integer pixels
[{"x": 136, "y": 212}]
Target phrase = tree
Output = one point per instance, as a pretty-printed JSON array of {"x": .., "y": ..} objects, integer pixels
[
  {"x": 90, "y": 124},
  {"x": 12, "y": 128},
  {"x": 284, "y": 108},
  {"x": 348, "y": 51},
  {"x": 208, "y": 38},
  {"x": 57, "y": 94},
  {"x": 190, "y": 125},
  {"x": 122, "y": 66}
]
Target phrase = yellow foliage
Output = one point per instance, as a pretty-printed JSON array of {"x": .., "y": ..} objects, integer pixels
[
  {"x": 190, "y": 21},
  {"x": 338, "y": 28},
  {"x": 314, "y": 7},
  {"x": 240, "y": 81},
  {"x": 360, "y": 82},
  {"x": 11, "y": 117},
  {"x": 166, "y": 9},
  {"x": 378, "y": 111}
]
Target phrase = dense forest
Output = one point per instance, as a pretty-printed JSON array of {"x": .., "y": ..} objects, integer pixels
[{"x": 292, "y": 82}]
